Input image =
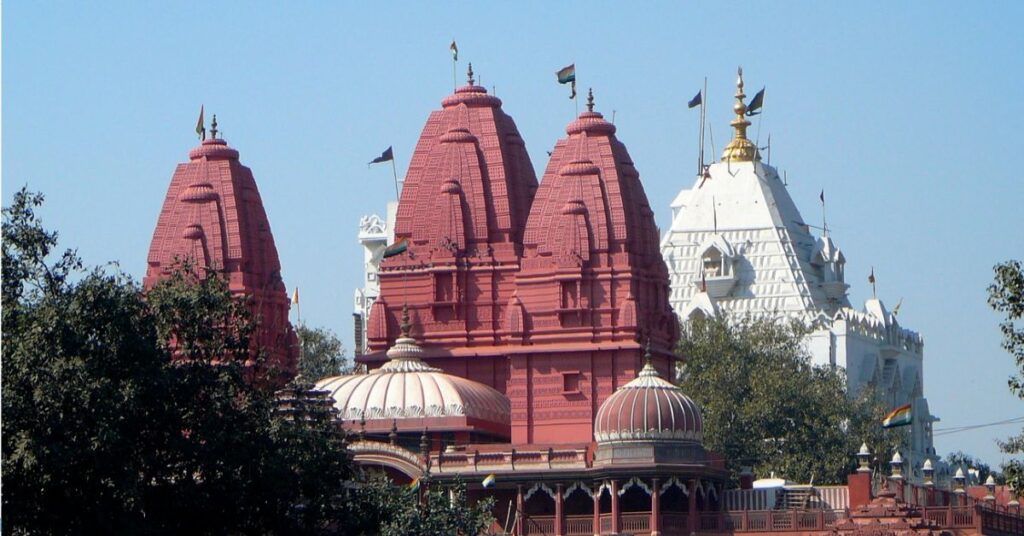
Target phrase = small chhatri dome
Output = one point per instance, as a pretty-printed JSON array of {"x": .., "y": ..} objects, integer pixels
[
  {"x": 649, "y": 408},
  {"x": 407, "y": 393},
  {"x": 740, "y": 149}
]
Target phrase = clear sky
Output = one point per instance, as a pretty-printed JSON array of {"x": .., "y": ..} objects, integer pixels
[{"x": 904, "y": 113}]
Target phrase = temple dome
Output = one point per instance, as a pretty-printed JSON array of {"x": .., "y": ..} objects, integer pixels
[
  {"x": 649, "y": 408},
  {"x": 409, "y": 394}
]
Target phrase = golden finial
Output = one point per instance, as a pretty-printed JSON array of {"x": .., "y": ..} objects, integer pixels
[
  {"x": 406, "y": 324},
  {"x": 213, "y": 129},
  {"x": 590, "y": 100},
  {"x": 740, "y": 149},
  {"x": 469, "y": 73}
]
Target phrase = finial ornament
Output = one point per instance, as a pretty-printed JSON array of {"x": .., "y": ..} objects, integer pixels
[
  {"x": 590, "y": 100},
  {"x": 740, "y": 149},
  {"x": 213, "y": 129},
  {"x": 469, "y": 73},
  {"x": 406, "y": 323}
]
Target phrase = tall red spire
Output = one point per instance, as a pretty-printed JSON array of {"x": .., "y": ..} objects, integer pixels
[
  {"x": 213, "y": 215},
  {"x": 593, "y": 285},
  {"x": 463, "y": 209}
]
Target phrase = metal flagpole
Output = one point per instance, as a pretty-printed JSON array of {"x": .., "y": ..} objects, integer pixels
[
  {"x": 703, "y": 111},
  {"x": 395, "y": 173}
]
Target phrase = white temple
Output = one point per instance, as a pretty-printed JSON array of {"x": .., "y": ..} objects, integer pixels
[
  {"x": 375, "y": 233},
  {"x": 739, "y": 246}
]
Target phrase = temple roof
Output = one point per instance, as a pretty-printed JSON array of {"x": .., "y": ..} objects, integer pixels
[
  {"x": 470, "y": 181},
  {"x": 213, "y": 215}
]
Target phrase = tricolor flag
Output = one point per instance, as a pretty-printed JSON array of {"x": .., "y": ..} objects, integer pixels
[
  {"x": 455, "y": 51},
  {"x": 397, "y": 248},
  {"x": 900, "y": 416},
  {"x": 201, "y": 124},
  {"x": 695, "y": 101},
  {"x": 756, "y": 103},
  {"x": 489, "y": 481},
  {"x": 386, "y": 156},
  {"x": 295, "y": 296},
  {"x": 414, "y": 485},
  {"x": 567, "y": 75}
]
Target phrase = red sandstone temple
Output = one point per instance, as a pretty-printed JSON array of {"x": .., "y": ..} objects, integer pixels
[
  {"x": 526, "y": 333},
  {"x": 213, "y": 217}
]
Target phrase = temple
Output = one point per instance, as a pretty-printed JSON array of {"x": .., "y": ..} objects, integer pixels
[
  {"x": 214, "y": 218},
  {"x": 520, "y": 338},
  {"x": 738, "y": 246}
]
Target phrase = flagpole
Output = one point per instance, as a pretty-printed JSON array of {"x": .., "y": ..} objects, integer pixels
[
  {"x": 394, "y": 172},
  {"x": 703, "y": 108}
]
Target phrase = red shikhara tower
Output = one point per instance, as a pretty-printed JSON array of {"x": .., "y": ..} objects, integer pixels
[
  {"x": 214, "y": 216},
  {"x": 592, "y": 286},
  {"x": 463, "y": 210},
  {"x": 546, "y": 299}
]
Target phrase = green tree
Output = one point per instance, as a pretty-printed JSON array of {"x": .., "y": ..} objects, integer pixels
[
  {"x": 104, "y": 434},
  {"x": 960, "y": 459},
  {"x": 1006, "y": 295},
  {"x": 320, "y": 354},
  {"x": 765, "y": 405},
  {"x": 443, "y": 509}
]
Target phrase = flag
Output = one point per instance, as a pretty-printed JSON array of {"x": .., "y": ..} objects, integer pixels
[
  {"x": 900, "y": 416},
  {"x": 756, "y": 103},
  {"x": 386, "y": 156},
  {"x": 567, "y": 74},
  {"x": 201, "y": 124},
  {"x": 822, "y": 197},
  {"x": 455, "y": 51},
  {"x": 489, "y": 481},
  {"x": 896, "y": 310},
  {"x": 871, "y": 278},
  {"x": 695, "y": 101},
  {"x": 414, "y": 485},
  {"x": 397, "y": 248},
  {"x": 295, "y": 296}
]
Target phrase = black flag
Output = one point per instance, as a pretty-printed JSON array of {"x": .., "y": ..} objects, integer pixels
[
  {"x": 386, "y": 156},
  {"x": 695, "y": 101},
  {"x": 756, "y": 103}
]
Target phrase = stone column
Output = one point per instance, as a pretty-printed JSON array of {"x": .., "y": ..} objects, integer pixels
[
  {"x": 616, "y": 524},
  {"x": 655, "y": 508},
  {"x": 559, "y": 513},
  {"x": 597, "y": 511},
  {"x": 691, "y": 510},
  {"x": 520, "y": 511}
]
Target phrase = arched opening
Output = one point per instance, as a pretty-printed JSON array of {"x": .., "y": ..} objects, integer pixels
[{"x": 712, "y": 264}]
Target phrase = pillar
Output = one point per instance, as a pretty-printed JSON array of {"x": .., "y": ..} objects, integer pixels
[
  {"x": 655, "y": 508},
  {"x": 616, "y": 525},
  {"x": 559, "y": 511},
  {"x": 597, "y": 511},
  {"x": 520, "y": 511},
  {"x": 691, "y": 509}
]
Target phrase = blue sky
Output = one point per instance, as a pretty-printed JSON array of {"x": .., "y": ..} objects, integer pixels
[{"x": 904, "y": 113}]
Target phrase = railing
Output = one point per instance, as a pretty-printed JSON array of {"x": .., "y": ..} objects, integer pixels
[
  {"x": 539, "y": 525},
  {"x": 579, "y": 525},
  {"x": 674, "y": 524},
  {"x": 1000, "y": 523},
  {"x": 635, "y": 522}
]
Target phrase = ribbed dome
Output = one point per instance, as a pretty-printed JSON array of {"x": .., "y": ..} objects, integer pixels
[
  {"x": 648, "y": 408},
  {"x": 407, "y": 388}
]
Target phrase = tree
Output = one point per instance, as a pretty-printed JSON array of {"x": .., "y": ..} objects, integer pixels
[
  {"x": 1006, "y": 295},
  {"x": 104, "y": 434},
  {"x": 981, "y": 470},
  {"x": 320, "y": 354},
  {"x": 764, "y": 404}
]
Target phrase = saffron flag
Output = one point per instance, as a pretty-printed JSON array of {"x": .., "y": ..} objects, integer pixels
[
  {"x": 201, "y": 124},
  {"x": 695, "y": 101},
  {"x": 567, "y": 74},
  {"x": 756, "y": 103},
  {"x": 489, "y": 481},
  {"x": 900, "y": 416},
  {"x": 386, "y": 156},
  {"x": 455, "y": 51},
  {"x": 397, "y": 248},
  {"x": 295, "y": 296}
]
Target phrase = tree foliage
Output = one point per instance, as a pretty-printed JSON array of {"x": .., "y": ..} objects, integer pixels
[
  {"x": 1006, "y": 295},
  {"x": 765, "y": 406},
  {"x": 321, "y": 354}
]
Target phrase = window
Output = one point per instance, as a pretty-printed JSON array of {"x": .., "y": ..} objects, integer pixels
[
  {"x": 571, "y": 382},
  {"x": 712, "y": 263},
  {"x": 444, "y": 290},
  {"x": 570, "y": 295}
]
